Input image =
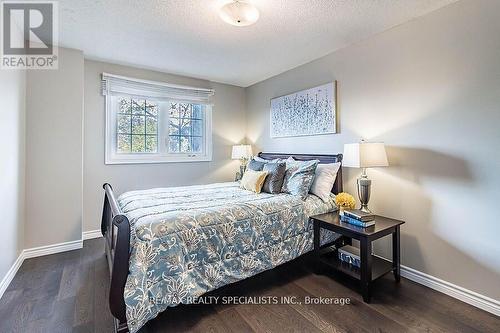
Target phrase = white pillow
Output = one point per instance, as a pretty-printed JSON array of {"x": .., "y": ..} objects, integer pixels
[{"x": 324, "y": 179}]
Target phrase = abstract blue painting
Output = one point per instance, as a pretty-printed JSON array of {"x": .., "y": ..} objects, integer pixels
[{"x": 307, "y": 112}]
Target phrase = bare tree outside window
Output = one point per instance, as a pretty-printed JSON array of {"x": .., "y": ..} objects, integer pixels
[{"x": 185, "y": 128}]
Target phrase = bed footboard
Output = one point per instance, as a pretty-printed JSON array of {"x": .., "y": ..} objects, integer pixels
[{"x": 115, "y": 228}]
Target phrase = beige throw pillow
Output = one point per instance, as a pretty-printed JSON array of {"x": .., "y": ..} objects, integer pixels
[{"x": 253, "y": 180}]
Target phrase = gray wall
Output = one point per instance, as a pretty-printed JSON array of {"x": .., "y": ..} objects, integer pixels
[
  {"x": 12, "y": 131},
  {"x": 228, "y": 129},
  {"x": 430, "y": 89},
  {"x": 54, "y": 119}
]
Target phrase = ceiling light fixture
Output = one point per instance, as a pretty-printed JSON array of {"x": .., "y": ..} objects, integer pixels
[{"x": 239, "y": 13}]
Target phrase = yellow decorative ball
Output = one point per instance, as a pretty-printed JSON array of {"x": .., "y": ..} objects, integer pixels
[{"x": 345, "y": 200}]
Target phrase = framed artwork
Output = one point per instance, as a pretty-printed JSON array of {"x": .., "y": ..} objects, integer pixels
[{"x": 308, "y": 112}]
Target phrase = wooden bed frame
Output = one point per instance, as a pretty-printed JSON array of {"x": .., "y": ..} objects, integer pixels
[{"x": 115, "y": 228}]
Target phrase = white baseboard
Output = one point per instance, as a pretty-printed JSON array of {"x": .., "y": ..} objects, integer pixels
[
  {"x": 36, "y": 252},
  {"x": 468, "y": 296},
  {"x": 91, "y": 234},
  {"x": 11, "y": 273},
  {"x": 51, "y": 249}
]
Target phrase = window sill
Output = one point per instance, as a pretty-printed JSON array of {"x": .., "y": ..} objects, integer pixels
[{"x": 159, "y": 160}]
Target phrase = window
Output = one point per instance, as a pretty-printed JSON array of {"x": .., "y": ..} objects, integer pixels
[
  {"x": 185, "y": 129},
  {"x": 137, "y": 126},
  {"x": 162, "y": 127}
]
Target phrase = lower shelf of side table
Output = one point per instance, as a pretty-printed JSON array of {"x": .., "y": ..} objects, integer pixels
[{"x": 330, "y": 258}]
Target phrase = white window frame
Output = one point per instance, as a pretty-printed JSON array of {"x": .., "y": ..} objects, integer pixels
[{"x": 162, "y": 155}]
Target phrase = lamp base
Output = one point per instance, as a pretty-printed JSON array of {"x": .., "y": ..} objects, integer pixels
[
  {"x": 365, "y": 209},
  {"x": 364, "y": 189},
  {"x": 239, "y": 175}
]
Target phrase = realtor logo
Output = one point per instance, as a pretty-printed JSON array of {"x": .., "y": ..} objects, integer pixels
[{"x": 29, "y": 35}]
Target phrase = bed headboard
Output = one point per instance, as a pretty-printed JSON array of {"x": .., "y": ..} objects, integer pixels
[{"x": 337, "y": 186}]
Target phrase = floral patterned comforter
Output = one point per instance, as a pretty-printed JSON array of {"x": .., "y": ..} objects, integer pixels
[{"x": 187, "y": 241}]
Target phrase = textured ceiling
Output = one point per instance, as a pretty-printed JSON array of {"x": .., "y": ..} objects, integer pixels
[{"x": 187, "y": 37}]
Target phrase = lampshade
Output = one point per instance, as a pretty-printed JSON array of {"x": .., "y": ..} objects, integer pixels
[
  {"x": 364, "y": 155},
  {"x": 239, "y": 13},
  {"x": 241, "y": 151}
]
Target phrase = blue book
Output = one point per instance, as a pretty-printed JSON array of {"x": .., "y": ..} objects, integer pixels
[
  {"x": 356, "y": 222},
  {"x": 350, "y": 255}
]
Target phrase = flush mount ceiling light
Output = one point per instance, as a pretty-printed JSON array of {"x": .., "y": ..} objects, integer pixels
[{"x": 239, "y": 13}]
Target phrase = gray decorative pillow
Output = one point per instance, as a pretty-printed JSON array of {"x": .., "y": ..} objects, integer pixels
[
  {"x": 291, "y": 166},
  {"x": 255, "y": 165},
  {"x": 299, "y": 177},
  {"x": 260, "y": 159},
  {"x": 275, "y": 177}
]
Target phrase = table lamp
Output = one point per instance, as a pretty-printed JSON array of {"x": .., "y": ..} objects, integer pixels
[
  {"x": 364, "y": 155},
  {"x": 242, "y": 153}
]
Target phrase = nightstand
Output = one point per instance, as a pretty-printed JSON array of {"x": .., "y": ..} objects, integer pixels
[{"x": 372, "y": 267}]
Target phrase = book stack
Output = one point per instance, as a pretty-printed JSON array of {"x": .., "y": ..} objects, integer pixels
[
  {"x": 358, "y": 218},
  {"x": 350, "y": 255}
]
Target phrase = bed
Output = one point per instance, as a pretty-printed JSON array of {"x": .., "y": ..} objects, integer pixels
[{"x": 167, "y": 246}]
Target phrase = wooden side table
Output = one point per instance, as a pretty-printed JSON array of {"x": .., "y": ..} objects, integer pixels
[{"x": 372, "y": 267}]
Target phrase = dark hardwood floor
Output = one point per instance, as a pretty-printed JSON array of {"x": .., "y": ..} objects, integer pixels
[{"x": 67, "y": 292}]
